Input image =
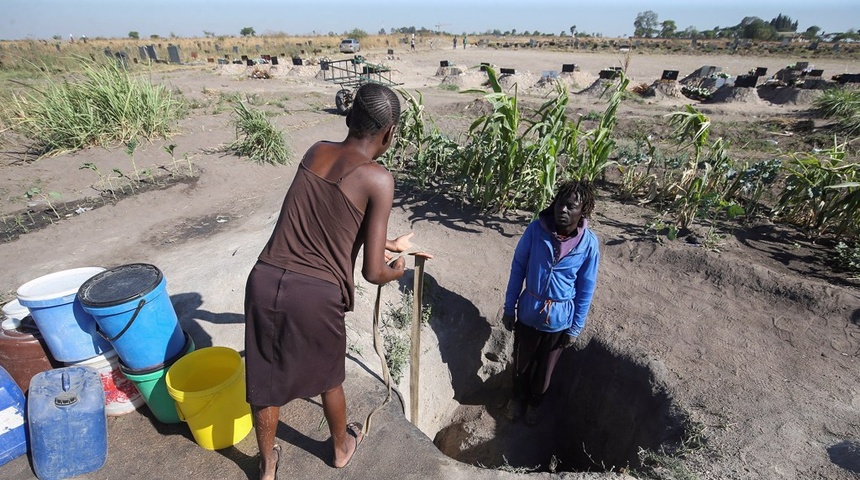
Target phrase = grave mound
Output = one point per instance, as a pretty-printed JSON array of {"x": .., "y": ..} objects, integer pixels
[
  {"x": 728, "y": 94},
  {"x": 779, "y": 95}
]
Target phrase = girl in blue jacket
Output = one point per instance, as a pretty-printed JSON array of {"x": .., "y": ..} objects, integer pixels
[{"x": 557, "y": 258}]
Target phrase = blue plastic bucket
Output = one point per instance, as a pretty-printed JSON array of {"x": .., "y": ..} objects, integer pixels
[
  {"x": 133, "y": 312},
  {"x": 13, "y": 435},
  {"x": 68, "y": 426},
  {"x": 68, "y": 330}
]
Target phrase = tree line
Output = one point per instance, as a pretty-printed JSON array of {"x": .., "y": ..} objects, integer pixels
[{"x": 648, "y": 25}]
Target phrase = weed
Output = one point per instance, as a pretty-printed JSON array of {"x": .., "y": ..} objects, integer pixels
[
  {"x": 170, "y": 151},
  {"x": 658, "y": 227},
  {"x": 257, "y": 138},
  {"x": 848, "y": 257},
  {"x": 400, "y": 316},
  {"x": 396, "y": 354},
  {"x": 37, "y": 194},
  {"x": 130, "y": 147}
]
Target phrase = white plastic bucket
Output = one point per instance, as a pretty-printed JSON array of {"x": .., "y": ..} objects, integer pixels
[
  {"x": 15, "y": 311},
  {"x": 121, "y": 395},
  {"x": 69, "y": 331}
]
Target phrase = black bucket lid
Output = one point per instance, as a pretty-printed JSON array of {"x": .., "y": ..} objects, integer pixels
[{"x": 120, "y": 285}]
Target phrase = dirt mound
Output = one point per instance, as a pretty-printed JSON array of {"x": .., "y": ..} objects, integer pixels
[
  {"x": 469, "y": 79},
  {"x": 727, "y": 94},
  {"x": 478, "y": 107},
  {"x": 522, "y": 80},
  {"x": 597, "y": 88},
  {"x": 304, "y": 71},
  {"x": 789, "y": 95}
]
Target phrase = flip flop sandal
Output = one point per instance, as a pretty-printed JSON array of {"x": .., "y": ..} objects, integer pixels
[
  {"x": 354, "y": 429},
  {"x": 277, "y": 449}
]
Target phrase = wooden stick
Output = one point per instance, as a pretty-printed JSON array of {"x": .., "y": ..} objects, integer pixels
[{"x": 417, "y": 300}]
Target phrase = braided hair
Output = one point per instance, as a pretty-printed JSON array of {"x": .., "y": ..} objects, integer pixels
[
  {"x": 374, "y": 108},
  {"x": 582, "y": 189}
]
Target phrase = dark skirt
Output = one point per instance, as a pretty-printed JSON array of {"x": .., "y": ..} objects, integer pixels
[
  {"x": 295, "y": 338},
  {"x": 535, "y": 356}
]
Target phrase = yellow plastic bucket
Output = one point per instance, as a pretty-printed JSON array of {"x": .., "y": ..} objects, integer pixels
[{"x": 209, "y": 388}]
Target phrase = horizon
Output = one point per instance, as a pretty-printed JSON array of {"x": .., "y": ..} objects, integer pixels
[{"x": 26, "y": 19}]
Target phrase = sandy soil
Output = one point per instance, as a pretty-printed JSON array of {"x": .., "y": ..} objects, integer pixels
[{"x": 760, "y": 342}]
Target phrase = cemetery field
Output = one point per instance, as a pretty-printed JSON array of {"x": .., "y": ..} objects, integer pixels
[{"x": 747, "y": 326}]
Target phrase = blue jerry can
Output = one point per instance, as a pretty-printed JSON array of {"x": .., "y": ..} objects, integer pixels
[{"x": 68, "y": 423}]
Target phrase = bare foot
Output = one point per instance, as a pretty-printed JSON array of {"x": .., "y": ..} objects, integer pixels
[{"x": 354, "y": 436}]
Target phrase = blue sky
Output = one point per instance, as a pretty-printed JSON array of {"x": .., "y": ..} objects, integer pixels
[{"x": 189, "y": 18}]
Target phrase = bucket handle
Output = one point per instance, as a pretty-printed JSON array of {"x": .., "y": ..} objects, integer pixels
[
  {"x": 182, "y": 416},
  {"x": 140, "y": 305}
]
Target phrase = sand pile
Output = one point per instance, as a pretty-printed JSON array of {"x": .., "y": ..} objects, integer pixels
[{"x": 727, "y": 94}]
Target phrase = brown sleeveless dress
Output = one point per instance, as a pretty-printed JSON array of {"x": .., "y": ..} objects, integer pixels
[{"x": 298, "y": 292}]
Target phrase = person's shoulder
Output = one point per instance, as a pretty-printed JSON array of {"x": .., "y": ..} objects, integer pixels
[{"x": 377, "y": 175}]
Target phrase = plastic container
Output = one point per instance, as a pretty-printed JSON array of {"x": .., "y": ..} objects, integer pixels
[
  {"x": 209, "y": 388},
  {"x": 152, "y": 385},
  {"x": 23, "y": 352},
  {"x": 15, "y": 311},
  {"x": 121, "y": 395},
  {"x": 13, "y": 434},
  {"x": 68, "y": 426},
  {"x": 68, "y": 330},
  {"x": 133, "y": 312}
]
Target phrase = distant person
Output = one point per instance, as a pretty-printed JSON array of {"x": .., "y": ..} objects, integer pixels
[
  {"x": 455, "y": 43},
  {"x": 557, "y": 259},
  {"x": 465, "y": 41},
  {"x": 302, "y": 284},
  {"x": 413, "y": 42},
  {"x": 71, "y": 38}
]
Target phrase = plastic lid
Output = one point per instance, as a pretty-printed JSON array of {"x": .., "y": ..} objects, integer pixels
[
  {"x": 56, "y": 285},
  {"x": 11, "y": 323},
  {"x": 14, "y": 309},
  {"x": 120, "y": 285}
]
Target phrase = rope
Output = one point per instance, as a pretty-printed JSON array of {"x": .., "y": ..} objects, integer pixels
[{"x": 377, "y": 338}]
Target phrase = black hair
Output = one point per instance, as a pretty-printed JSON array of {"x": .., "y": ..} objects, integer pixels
[
  {"x": 582, "y": 189},
  {"x": 374, "y": 108}
]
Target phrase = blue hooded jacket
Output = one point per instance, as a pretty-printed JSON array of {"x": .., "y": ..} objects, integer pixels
[{"x": 557, "y": 292}]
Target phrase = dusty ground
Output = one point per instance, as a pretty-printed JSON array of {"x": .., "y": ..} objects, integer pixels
[{"x": 759, "y": 341}]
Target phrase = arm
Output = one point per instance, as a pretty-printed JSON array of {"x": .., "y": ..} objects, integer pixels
[
  {"x": 519, "y": 266},
  {"x": 380, "y": 188},
  {"x": 586, "y": 281}
]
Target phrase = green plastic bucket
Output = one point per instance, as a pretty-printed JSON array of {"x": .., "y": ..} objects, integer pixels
[{"x": 152, "y": 385}]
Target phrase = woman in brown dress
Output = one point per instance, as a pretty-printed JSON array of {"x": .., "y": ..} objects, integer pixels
[{"x": 302, "y": 284}]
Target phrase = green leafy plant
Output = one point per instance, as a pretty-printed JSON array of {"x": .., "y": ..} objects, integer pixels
[
  {"x": 848, "y": 257},
  {"x": 396, "y": 355},
  {"x": 822, "y": 192},
  {"x": 35, "y": 193},
  {"x": 843, "y": 105},
  {"x": 257, "y": 138}
]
